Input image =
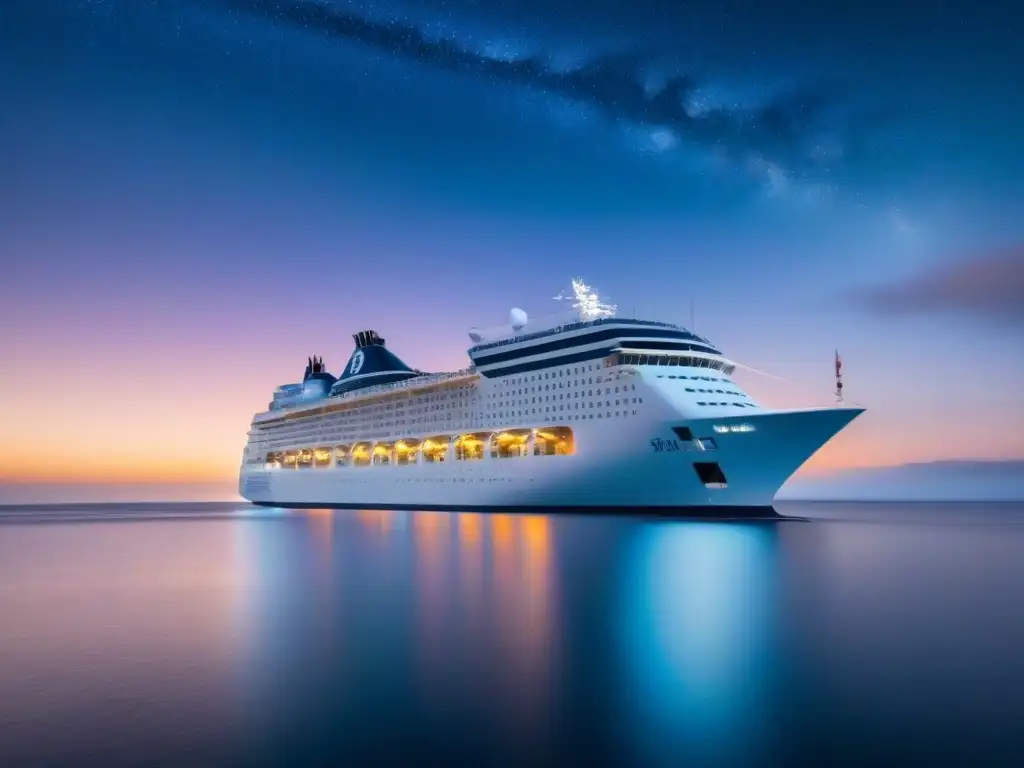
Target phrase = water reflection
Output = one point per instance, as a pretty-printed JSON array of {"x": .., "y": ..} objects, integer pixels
[
  {"x": 697, "y": 628},
  {"x": 114, "y": 634},
  {"x": 432, "y": 534},
  {"x": 450, "y": 613},
  {"x": 365, "y": 638},
  {"x": 485, "y": 582}
]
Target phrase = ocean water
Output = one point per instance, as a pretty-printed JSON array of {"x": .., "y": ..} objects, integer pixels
[{"x": 230, "y": 635}]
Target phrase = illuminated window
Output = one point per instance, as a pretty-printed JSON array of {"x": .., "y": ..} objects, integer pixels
[
  {"x": 361, "y": 455},
  {"x": 471, "y": 447},
  {"x": 724, "y": 428},
  {"x": 322, "y": 457},
  {"x": 554, "y": 441},
  {"x": 510, "y": 444}
]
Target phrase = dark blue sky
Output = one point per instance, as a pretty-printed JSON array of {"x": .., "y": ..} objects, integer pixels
[{"x": 187, "y": 182}]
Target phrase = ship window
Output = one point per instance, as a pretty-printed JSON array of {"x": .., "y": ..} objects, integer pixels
[
  {"x": 683, "y": 433},
  {"x": 710, "y": 473},
  {"x": 341, "y": 456},
  {"x": 435, "y": 449},
  {"x": 406, "y": 452},
  {"x": 305, "y": 459},
  {"x": 322, "y": 457},
  {"x": 361, "y": 454},
  {"x": 511, "y": 444},
  {"x": 471, "y": 447},
  {"x": 554, "y": 441}
]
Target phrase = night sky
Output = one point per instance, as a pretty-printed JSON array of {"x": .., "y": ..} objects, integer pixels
[{"x": 198, "y": 194}]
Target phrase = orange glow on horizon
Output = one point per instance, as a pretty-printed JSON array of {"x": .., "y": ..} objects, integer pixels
[
  {"x": 119, "y": 474},
  {"x": 185, "y": 422},
  {"x": 154, "y": 392},
  {"x": 854, "y": 448}
]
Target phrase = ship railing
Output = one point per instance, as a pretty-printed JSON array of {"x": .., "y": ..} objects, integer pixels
[{"x": 376, "y": 389}]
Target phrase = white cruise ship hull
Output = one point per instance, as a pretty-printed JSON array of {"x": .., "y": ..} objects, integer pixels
[{"x": 639, "y": 465}]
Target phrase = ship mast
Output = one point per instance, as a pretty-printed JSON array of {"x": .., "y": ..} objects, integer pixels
[
  {"x": 839, "y": 379},
  {"x": 587, "y": 303}
]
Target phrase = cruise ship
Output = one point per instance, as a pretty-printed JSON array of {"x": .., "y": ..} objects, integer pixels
[{"x": 581, "y": 410}]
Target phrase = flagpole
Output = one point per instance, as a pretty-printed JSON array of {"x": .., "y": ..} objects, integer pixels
[{"x": 839, "y": 379}]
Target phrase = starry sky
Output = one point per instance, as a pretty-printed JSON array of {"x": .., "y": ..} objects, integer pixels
[{"x": 196, "y": 195}]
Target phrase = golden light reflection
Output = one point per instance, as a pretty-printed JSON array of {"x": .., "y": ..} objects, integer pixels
[
  {"x": 524, "y": 604},
  {"x": 431, "y": 531},
  {"x": 501, "y": 530},
  {"x": 471, "y": 576},
  {"x": 471, "y": 528},
  {"x": 376, "y": 519},
  {"x": 499, "y": 582},
  {"x": 537, "y": 532}
]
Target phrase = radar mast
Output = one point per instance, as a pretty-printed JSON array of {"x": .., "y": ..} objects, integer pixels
[{"x": 586, "y": 301}]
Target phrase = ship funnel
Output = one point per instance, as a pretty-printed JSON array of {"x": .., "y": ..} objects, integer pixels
[{"x": 367, "y": 339}]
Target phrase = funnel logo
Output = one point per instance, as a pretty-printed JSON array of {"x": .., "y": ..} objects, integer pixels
[{"x": 357, "y": 362}]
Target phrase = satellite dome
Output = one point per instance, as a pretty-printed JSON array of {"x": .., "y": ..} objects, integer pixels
[{"x": 517, "y": 319}]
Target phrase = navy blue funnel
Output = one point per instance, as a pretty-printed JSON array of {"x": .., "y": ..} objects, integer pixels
[{"x": 371, "y": 364}]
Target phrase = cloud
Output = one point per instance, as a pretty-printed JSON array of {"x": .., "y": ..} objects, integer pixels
[
  {"x": 989, "y": 287},
  {"x": 780, "y": 131}
]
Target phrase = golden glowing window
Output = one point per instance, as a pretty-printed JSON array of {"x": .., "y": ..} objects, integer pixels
[
  {"x": 321, "y": 457},
  {"x": 471, "y": 447},
  {"x": 435, "y": 448},
  {"x": 554, "y": 441},
  {"x": 513, "y": 443},
  {"x": 406, "y": 451},
  {"x": 305, "y": 459},
  {"x": 290, "y": 459},
  {"x": 382, "y": 453},
  {"x": 361, "y": 454}
]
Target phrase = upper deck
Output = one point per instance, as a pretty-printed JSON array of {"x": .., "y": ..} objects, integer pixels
[
  {"x": 413, "y": 386},
  {"x": 583, "y": 325},
  {"x": 589, "y": 334}
]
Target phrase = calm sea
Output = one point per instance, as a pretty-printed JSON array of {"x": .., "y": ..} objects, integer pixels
[{"x": 226, "y": 635}]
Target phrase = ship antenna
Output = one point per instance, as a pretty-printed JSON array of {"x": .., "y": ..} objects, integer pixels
[
  {"x": 586, "y": 302},
  {"x": 839, "y": 379}
]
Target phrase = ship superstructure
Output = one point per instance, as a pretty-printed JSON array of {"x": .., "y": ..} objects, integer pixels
[{"x": 581, "y": 410}]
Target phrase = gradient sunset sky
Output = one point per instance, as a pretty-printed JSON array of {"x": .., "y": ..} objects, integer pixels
[{"x": 198, "y": 194}]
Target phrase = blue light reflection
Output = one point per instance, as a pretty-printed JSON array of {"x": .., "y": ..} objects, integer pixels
[{"x": 697, "y": 628}]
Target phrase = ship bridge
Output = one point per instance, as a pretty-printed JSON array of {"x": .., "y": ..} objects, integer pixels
[{"x": 590, "y": 331}]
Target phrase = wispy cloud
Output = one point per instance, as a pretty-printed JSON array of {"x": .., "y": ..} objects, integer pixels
[
  {"x": 989, "y": 286},
  {"x": 777, "y": 139}
]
